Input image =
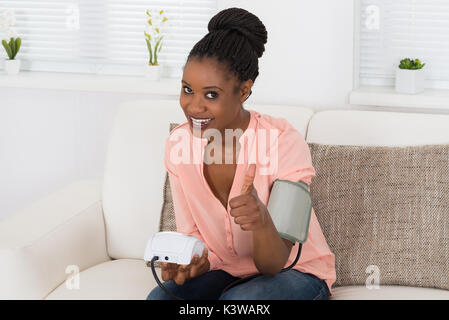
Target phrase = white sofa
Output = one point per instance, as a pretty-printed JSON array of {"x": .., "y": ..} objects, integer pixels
[{"x": 101, "y": 227}]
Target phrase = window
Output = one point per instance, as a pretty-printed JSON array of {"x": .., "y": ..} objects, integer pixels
[
  {"x": 391, "y": 30},
  {"x": 104, "y": 36}
]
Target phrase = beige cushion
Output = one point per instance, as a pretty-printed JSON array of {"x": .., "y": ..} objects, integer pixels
[
  {"x": 168, "y": 221},
  {"x": 386, "y": 208}
]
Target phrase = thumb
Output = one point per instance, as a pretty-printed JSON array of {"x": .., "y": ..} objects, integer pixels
[{"x": 248, "y": 186}]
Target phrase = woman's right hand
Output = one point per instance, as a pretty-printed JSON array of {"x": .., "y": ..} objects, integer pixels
[{"x": 182, "y": 273}]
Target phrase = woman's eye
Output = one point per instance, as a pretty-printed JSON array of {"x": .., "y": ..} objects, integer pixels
[{"x": 214, "y": 94}]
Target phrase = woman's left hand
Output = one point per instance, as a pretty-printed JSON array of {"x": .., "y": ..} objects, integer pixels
[{"x": 247, "y": 209}]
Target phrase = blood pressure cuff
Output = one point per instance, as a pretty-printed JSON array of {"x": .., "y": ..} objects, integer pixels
[{"x": 290, "y": 207}]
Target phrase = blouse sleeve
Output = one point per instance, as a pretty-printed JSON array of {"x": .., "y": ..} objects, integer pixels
[{"x": 295, "y": 161}]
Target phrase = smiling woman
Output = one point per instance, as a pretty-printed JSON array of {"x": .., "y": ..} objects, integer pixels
[
  {"x": 224, "y": 204},
  {"x": 221, "y": 69},
  {"x": 207, "y": 95}
]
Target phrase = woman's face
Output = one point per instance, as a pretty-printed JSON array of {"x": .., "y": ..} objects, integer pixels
[{"x": 208, "y": 93}]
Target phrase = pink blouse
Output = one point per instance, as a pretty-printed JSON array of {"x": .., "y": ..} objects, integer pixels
[{"x": 199, "y": 213}]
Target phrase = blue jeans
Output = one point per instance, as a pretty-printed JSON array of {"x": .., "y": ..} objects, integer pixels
[{"x": 287, "y": 285}]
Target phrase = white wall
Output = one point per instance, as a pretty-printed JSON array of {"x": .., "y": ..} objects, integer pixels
[
  {"x": 308, "y": 58},
  {"x": 49, "y": 138}
]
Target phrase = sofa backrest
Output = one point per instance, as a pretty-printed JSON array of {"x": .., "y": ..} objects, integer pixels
[
  {"x": 377, "y": 128},
  {"x": 134, "y": 173}
]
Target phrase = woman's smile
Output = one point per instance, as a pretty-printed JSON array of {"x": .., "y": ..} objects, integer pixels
[{"x": 200, "y": 124}]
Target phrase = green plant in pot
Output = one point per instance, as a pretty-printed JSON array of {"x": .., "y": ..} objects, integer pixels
[
  {"x": 10, "y": 42},
  {"x": 410, "y": 76},
  {"x": 154, "y": 35}
]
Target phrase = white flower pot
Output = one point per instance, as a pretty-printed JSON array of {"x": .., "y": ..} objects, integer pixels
[
  {"x": 153, "y": 72},
  {"x": 12, "y": 66},
  {"x": 410, "y": 81}
]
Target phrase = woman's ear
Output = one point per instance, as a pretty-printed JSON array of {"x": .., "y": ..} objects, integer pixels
[
  {"x": 246, "y": 89},
  {"x": 248, "y": 95}
]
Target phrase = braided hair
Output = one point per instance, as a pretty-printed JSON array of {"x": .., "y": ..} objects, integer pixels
[{"x": 237, "y": 39}]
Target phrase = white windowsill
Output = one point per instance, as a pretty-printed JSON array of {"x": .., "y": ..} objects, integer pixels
[
  {"x": 91, "y": 82},
  {"x": 388, "y": 97}
]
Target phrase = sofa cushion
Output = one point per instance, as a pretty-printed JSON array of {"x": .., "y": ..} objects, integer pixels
[
  {"x": 384, "y": 212},
  {"x": 121, "y": 279}
]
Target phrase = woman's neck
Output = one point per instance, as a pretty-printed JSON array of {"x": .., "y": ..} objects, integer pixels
[{"x": 243, "y": 123}]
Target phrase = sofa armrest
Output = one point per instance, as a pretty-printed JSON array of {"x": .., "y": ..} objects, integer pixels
[{"x": 38, "y": 243}]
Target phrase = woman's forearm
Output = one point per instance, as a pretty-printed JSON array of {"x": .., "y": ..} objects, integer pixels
[{"x": 270, "y": 253}]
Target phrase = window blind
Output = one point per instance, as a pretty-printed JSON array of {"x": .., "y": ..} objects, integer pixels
[
  {"x": 391, "y": 30},
  {"x": 105, "y": 36}
]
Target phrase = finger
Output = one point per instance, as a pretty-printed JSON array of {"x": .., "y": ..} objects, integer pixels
[
  {"x": 172, "y": 266},
  {"x": 239, "y": 211},
  {"x": 194, "y": 260},
  {"x": 183, "y": 268},
  {"x": 164, "y": 266},
  {"x": 181, "y": 276},
  {"x": 164, "y": 275},
  {"x": 247, "y": 186},
  {"x": 242, "y": 220},
  {"x": 239, "y": 201},
  {"x": 204, "y": 256},
  {"x": 199, "y": 264},
  {"x": 172, "y": 270},
  {"x": 246, "y": 227},
  {"x": 166, "y": 272}
]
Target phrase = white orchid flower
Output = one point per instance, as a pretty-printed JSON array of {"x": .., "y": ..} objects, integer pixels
[
  {"x": 156, "y": 24},
  {"x": 154, "y": 32}
]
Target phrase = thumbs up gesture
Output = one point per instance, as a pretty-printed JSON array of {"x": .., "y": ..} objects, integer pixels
[{"x": 247, "y": 209}]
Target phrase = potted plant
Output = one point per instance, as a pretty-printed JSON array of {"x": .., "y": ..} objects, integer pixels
[
  {"x": 410, "y": 76},
  {"x": 12, "y": 65},
  {"x": 153, "y": 37}
]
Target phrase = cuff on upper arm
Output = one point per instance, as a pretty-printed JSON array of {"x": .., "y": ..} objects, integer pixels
[{"x": 295, "y": 174}]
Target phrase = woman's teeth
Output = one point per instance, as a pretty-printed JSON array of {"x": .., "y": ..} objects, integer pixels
[{"x": 200, "y": 121}]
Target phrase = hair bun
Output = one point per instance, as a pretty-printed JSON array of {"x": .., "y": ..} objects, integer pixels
[{"x": 245, "y": 23}]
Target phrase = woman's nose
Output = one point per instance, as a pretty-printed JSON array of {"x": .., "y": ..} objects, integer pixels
[{"x": 197, "y": 110}]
